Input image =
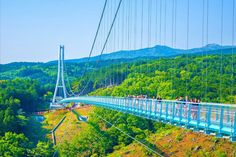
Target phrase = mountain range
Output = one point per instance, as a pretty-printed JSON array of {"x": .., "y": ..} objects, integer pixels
[
  {"x": 152, "y": 52},
  {"x": 159, "y": 51}
]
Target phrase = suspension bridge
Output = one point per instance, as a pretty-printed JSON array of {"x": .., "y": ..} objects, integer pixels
[{"x": 211, "y": 118}]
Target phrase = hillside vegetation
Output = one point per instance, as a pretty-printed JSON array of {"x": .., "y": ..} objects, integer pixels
[{"x": 210, "y": 78}]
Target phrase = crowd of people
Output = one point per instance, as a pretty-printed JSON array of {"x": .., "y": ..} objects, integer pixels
[
  {"x": 183, "y": 106},
  {"x": 143, "y": 97}
]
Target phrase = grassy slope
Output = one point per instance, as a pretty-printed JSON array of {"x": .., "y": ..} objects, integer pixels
[
  {"x": 181, "y": 142},
  {"x": 174, "y": 141},
  {"x": 70, "y": 127}
]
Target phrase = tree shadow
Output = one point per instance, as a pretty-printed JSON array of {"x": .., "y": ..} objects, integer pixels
[
  {"x": 77, "y": 115},
  {"x": 35, "y": 131}
]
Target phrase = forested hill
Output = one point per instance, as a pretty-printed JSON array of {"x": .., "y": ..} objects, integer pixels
[
  {"x": 210, "y": 78},
  {"x": 46, "y": 73}
]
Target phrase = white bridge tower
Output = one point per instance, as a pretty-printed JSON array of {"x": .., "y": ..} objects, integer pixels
[{"x": 60, "y": 89}]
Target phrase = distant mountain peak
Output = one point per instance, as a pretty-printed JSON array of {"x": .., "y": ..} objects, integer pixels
[{"x": 213, "y": 45}]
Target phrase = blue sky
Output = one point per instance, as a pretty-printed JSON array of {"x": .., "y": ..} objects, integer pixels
[{"x": 32, "y": 30}]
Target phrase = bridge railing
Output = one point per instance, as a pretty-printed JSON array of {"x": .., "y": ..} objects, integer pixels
[{"x": 211, "y": 117}]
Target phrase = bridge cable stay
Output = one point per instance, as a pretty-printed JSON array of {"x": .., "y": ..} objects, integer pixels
[
  {"x": 116, "y": 40},
  {"x": 156, "y": 22},
  {"x": 110, "y": 45},
  {"x": 164, "y": 33},
  {"x": 128, "y": 35},
  {"x": 141, "y": 143},
  {"x": 156, "y": 31},
  {"x": 116, "y": 47},
  {"x": 160, "y": 37},
  {"x": 136, "y": 36},
  {"x": 149, "y": 8},
  {"x": 172, "y": 45},
  {"x": 114, "y": 71},
  {"x": 92, "y": 47},
  {"x": 175, "y": 34},
  {"x": 135, "y": 23},
  {"x": 146, "y": 60},
  {"x": 221, "y": 52},
  {"x": 95, "y": 37},
  {"x": 68, "y": 82},
  {"x": 122, "y": 35},
  {"x": 187, "y": 47},
  {"x": 105, "y": 43},
  {"x": 160, "y": 23},
  {"x": 119, "y": 36},
  {"x": 141, "y": 41},
  {"x": 232, "y": 51},
  {"x": 203, "y": 44},
  {"x": 207, "y": 36}
]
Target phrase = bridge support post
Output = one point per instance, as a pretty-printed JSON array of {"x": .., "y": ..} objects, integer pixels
[
  {"x": 180, "y": 114},
  {"x": 160, "y": 115},
  {"x": 155, "y": 109},
  {"x": 166, "y": 118},
  {"x": 188, "y": 115},
  {"x": 233, "y": 138},
  {"x": 208, "y": 120},
  {"x": 219, "y": 134},
  {"x": 233, "y": 135},
  {"x": 198, "y": 117}
]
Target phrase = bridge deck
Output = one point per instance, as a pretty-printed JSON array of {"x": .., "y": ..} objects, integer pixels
[{"x": 210, "y": 117}]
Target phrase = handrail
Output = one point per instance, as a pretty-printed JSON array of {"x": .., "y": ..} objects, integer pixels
[{"x": 164, "y": 100}]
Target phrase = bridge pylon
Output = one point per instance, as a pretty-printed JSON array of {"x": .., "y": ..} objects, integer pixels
[{"x": 60, "y": 89}]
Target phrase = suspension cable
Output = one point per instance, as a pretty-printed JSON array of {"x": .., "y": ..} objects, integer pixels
[
  {"x": 172, "y": 45},
  {"x": 207, "y": 29},
  {"x": 233, "y": 36},
  {"x": 141, "y": 43},
  {"x": 105, "y": 43},
  {"x": 142, "y": 25},
  {"x": 165, "y": 8},
  {"x": 187, "y": 48},
  {"x": 95, "y": 38},
  {"x": 203, "y": 33},
  {"x": 221, "y": 53},
  {"x": 160, "y": 33}
]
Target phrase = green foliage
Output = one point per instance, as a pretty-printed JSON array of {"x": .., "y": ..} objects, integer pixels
[
  {"x": 42, "y": 149},
  {"x": 200, "y": 77},
  {"x": 101, "y": 138},
  {"x": 220, "y": 153},
  {"x": 17, "y": 98},
  {"x": 28, "y": 93},
  {"x": 13, "y": 144},
  {"x": 17, "y": 145},
  {"x": 179, "y": 137}
]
